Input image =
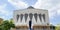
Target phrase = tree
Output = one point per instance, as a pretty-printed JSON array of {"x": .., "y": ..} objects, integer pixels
[
  {"x": 1, "y": 20},
  {"x": 12, "y": 24},
  {"x": 7, "y": 25},
  {"x": 58, "y": 27}
]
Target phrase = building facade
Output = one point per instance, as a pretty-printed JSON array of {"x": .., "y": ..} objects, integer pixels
[{"x": 39, "y": 18}]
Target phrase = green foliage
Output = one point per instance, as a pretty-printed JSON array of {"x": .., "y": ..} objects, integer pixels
[
  {"x": 7, "y": 25},
  {"x": 57, "y": 27}
]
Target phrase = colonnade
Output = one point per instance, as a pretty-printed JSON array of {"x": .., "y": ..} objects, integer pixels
[{"x": 31, "y": 16}]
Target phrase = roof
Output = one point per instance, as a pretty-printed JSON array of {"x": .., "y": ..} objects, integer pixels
[{"x": 30, "y": 7}]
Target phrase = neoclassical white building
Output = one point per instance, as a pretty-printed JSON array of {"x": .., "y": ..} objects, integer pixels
[{"x": 39, "y": 17}]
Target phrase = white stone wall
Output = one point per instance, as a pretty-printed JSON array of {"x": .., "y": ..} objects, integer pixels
[{"x": 28, "y": 11}]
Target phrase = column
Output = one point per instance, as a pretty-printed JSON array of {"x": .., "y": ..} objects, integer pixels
[
  {"x": 19, "y": 19},
  {"x": 43, "y": 18},
  {"x": 38, "y": 20},
  {"x": 33, "y": 20},
  {"x": 23, "y": 19},
  {"x": 28, "y": 20},
  {"x": 43, "y": 15}
]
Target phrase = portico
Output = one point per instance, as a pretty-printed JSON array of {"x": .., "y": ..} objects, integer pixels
[{"x": 37, "y": 16}]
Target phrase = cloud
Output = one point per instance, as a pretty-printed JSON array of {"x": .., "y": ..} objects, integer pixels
[
  {"x": 18, "y": 4},
  {"x": 3, "y": 10},
  {"x": 7, "y": 13},
  {"x": 53, "y": 7},
  {"x": 4, "y": 13},
  {"x": 58, "y": 11},
  {"x": 50, "y": 5}
]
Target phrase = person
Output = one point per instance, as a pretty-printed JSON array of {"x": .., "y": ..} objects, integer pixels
[{"x": 30, "y": 22}]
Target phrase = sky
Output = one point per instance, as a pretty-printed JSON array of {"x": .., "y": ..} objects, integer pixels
[{"x": 53, "y": 6}]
